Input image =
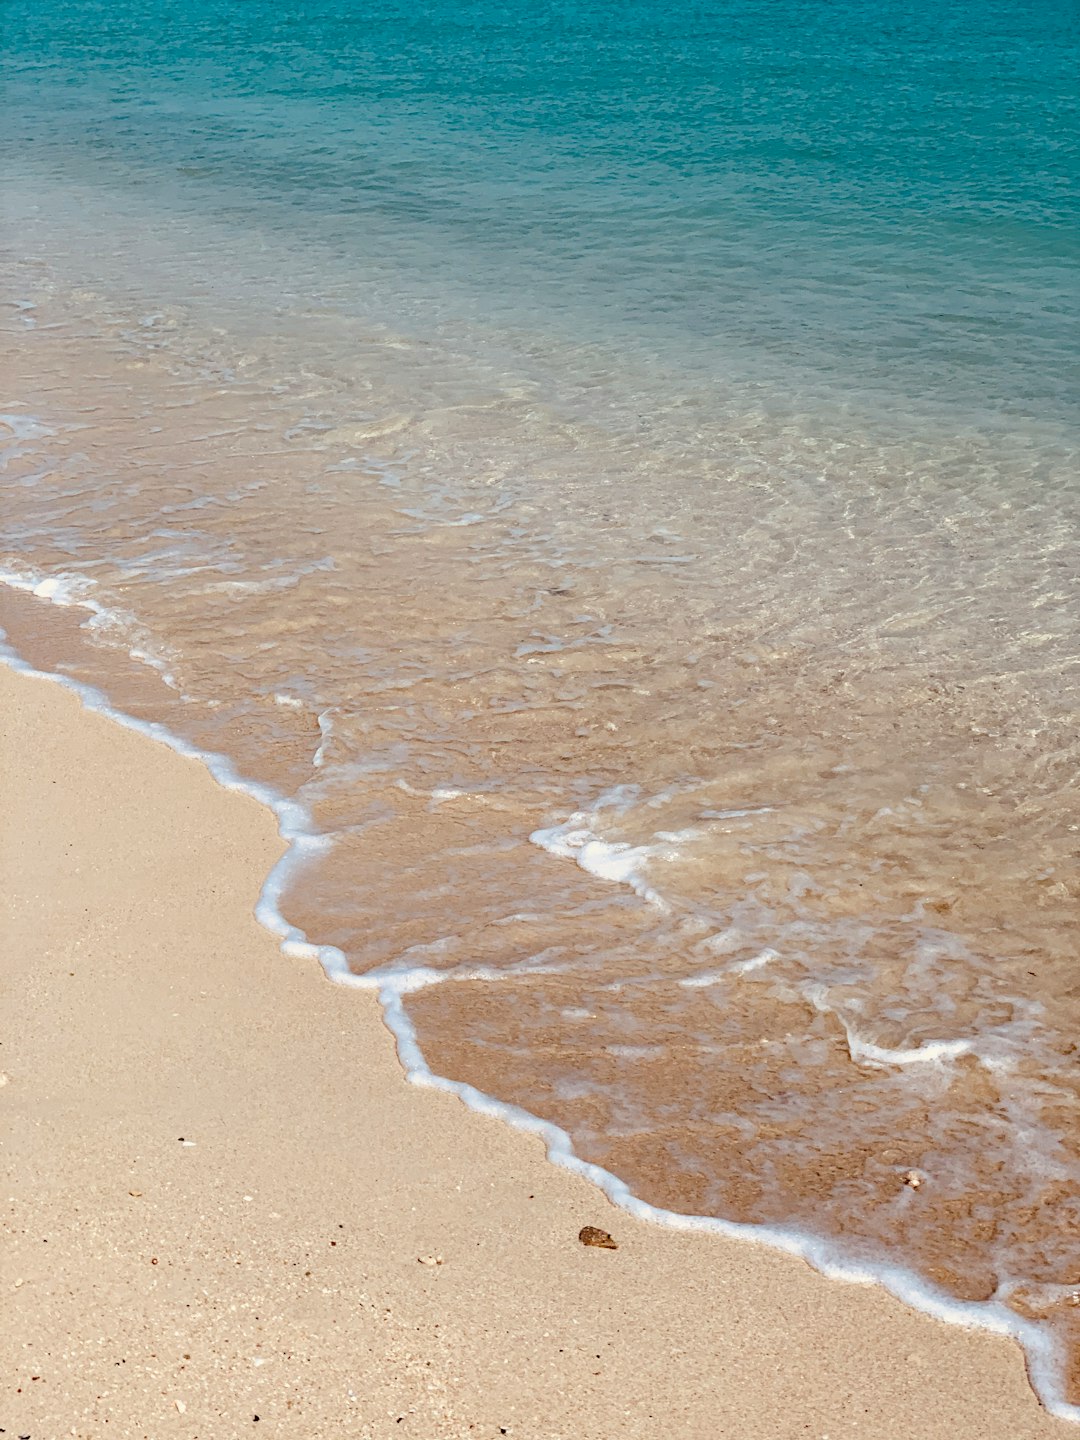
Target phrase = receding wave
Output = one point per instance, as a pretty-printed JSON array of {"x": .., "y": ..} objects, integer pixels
[{"x": 752, "y": 876}]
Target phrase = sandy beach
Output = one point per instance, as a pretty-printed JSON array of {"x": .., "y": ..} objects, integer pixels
[{"x": 221, "y": 1195}]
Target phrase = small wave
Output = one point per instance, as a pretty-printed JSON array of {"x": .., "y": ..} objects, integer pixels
[
  {"x": 614, "y": 860},
  {"x": 67, "y": 590},
  {"x": 930, "y": 1052},
  {"x": 394, "y": 982}
]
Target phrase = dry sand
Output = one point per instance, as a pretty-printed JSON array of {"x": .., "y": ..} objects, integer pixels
[{"x": 265, "y": 1279}]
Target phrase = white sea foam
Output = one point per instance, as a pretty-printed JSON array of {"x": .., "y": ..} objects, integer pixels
[
  {"x": 737, "y": 814},
  {"x": 326, "y": 731},
  {"x": 66, "y": 589},
  {"x": 617, "y": 861},
  {"x": 931, "y": 1052},
  {"x": 705, "y": 978},
  {"x": 756, "y": 962},
  {"x": 393, "y": 982}
]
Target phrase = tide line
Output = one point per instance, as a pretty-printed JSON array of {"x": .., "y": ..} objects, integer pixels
[{"x": 1045, "y": 1358}]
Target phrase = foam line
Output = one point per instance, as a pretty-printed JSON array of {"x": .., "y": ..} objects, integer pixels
[
  {"x": 930, "y": 1052},
  {"x": 617, "y": 861},
  {"x": 74, "y": 590},
  {"x": 704, "y": 978},
  {"x": 1045, "y": 1358}
]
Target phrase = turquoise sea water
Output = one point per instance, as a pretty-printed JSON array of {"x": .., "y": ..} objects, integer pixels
[{"x": 851, "y": 198}]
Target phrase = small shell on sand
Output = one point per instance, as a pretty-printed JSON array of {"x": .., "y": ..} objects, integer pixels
[
  {"x": 913, "y": 1178},
  {"x": 590, "y": 1235},
  {"x": 429, "y": 1260}
]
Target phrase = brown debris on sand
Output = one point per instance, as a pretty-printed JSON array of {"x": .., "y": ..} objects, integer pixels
[{"x": 590, "y": 1235}]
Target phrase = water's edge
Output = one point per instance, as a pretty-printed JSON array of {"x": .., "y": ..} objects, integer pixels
[{"x": 1042, "y": 1354}]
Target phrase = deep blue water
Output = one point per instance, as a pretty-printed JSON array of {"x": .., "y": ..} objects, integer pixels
[{"x": 853, "y": 197}]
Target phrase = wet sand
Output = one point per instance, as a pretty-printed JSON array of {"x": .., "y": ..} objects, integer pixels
[{"x": 267, "y": 1279}]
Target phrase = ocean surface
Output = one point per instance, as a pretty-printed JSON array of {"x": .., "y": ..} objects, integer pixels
[{"x": 612, "y": 474}]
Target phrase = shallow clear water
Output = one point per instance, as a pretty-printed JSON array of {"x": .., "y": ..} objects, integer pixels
[{"x": 617, "y": 466}]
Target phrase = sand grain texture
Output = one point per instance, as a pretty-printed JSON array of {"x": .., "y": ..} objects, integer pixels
[{"x": 270, "y": 1269}]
